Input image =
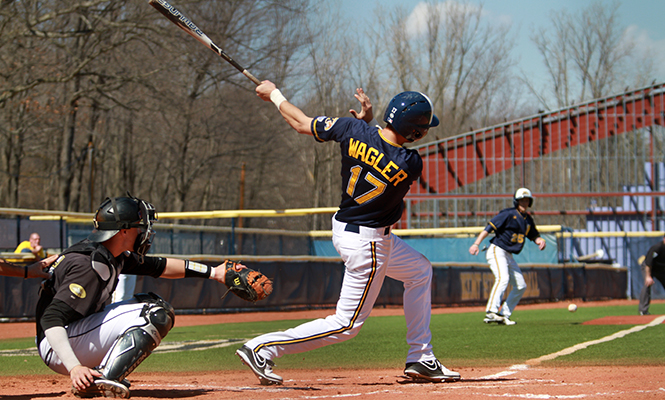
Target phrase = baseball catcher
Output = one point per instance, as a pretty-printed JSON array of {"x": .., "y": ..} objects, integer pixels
[
  {"x": 80, "y": 332},
  {"x": 246, "y": 283}
]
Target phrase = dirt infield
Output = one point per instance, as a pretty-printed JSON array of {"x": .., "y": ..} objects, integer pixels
[
  {"x": 623, "y": 383},
  {"x": 520, "y": 381}
]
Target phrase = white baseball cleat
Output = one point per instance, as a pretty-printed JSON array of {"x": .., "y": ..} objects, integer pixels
[
  {"x": 493, "y": 317},
  {"x": 261, "y": 367}
]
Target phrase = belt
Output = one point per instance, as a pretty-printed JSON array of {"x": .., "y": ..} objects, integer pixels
[{"x": 356, "y": 228}]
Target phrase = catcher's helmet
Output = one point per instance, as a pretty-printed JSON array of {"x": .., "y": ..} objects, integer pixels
[
  {"x": 522, "y": 193},
  {"x": 411, "y": 115},
  {"x": 119, "y": 213}
]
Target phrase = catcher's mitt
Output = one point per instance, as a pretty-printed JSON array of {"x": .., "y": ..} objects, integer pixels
[{"x": 247, "y": 284}]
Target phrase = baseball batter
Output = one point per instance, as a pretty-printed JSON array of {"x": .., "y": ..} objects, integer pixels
[
  {"x": 511, "y": 227},
  {"x": 78, "y": 333},
  {"x": 377, "y": 172}
]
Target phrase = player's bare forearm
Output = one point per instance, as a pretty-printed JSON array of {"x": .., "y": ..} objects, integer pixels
[
  {"x": 175, "y": 269},
  {"x": 38, "y": 269},
  {"x": 648, "y": 280},
  {"x": 35, "y": 270},
  {"x": 294, "y": 116},
  {"x": 475, "y": 247},
  {"x": 7, "y": 269}
]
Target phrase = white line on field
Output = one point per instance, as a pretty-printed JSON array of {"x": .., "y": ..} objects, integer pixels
[{"x": 570, "y": 350}]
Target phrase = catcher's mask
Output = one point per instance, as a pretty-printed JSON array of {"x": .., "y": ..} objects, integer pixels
[
  {"x": 129, "y": 212},
  {"x": 411, "y": 115},
  {"x": 522, "y": 193}
]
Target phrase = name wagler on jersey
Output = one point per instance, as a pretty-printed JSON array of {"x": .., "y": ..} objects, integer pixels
[{"x": 373, "y": 157}]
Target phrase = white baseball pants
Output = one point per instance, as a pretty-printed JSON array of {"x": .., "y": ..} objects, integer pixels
[
  {"x": 92, "y": 337},
  {"x": 369, "y": 256},
  {"x": 505, "y": 271}
]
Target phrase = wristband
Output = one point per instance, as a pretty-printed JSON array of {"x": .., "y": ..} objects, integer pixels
[
  {"x": 197, "y": 270},
  {"x": 277, "y": 97}
]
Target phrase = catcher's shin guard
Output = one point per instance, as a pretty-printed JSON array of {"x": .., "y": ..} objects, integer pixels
[{"x": 138, "y": 342}]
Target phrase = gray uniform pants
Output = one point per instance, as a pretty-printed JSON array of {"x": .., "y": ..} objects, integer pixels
[{"x": 645, "y": 294}]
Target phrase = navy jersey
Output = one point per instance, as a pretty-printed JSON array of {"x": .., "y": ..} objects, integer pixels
[
  {"x": 511, "y": 227},
  {"x": 655, "y": 257},
  {"x": 376, "y": 173}
]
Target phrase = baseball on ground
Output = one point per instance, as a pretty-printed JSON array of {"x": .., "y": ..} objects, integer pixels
[{"x": 572, "y": 307}]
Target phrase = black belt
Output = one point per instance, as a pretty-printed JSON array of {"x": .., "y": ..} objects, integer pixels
[{"x": 356, "y": 228}]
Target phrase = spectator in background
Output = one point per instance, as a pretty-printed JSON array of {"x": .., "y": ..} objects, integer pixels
[
  {"x": 653, "y": 267},
  {"x": 32, "y": 245}
]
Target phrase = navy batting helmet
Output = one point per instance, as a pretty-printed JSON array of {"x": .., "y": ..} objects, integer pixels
[
  {"x": 411, "y": 115},
  {"x": 522, "y": 193},
  {"x": 119, "y": 213}
]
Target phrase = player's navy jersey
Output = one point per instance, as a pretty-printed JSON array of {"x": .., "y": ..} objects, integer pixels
[
  {"x": 655, "y": 257},
  {"x": 84, "y": 281},
  {"x": 376, "y": 173},
  {"x": 511, "y": 227}
]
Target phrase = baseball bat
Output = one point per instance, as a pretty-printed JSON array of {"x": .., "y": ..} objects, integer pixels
[{"x": 188, "y": 26}]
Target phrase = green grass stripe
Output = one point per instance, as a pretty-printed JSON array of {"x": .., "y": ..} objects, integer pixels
[{"x": 459, "y": 340}]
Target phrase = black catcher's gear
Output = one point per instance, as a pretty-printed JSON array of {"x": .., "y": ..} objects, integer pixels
[{"x": 128, "y": 212}]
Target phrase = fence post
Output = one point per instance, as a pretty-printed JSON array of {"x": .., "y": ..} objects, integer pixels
[{"x": 232, "y": 240}]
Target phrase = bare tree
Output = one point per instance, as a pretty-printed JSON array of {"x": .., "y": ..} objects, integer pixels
[
  {"x": 586, "y": 55},
  {"x": 209, "y": 112},
  {"x": 106, "y": 96},
  {"x": 459, "y": 59}
]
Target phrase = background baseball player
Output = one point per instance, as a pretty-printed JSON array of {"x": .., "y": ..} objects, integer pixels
[
  {"x": 653, "y": 267},
  {"x": 376, "y": 174},
  {"x": 511, "y": 226},
  {"x": 78, "y": 333}
]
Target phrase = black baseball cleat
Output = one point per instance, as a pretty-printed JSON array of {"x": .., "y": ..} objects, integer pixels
[
  {"x": 645, "y": 313},
  {"x": 430, "y": 371},
  {"x": 261, "y": 367},
  {"x": 103, "y": 388}
]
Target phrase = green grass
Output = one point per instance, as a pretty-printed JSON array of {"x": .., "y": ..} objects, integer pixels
[{"x": 459, "y": 340}]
